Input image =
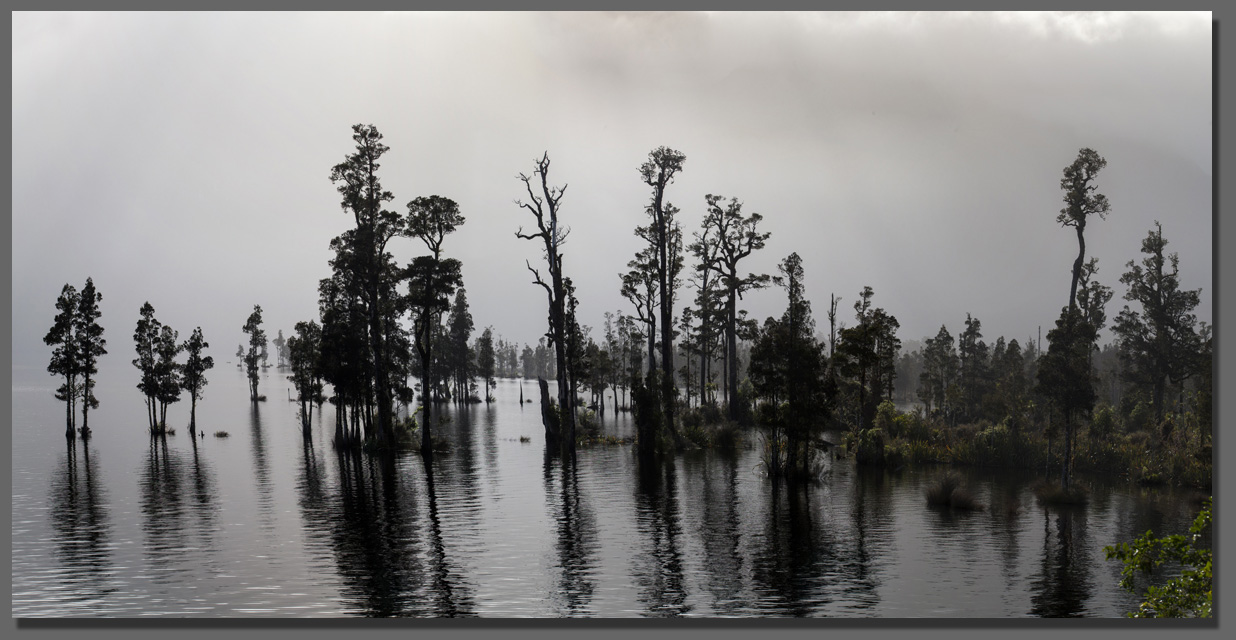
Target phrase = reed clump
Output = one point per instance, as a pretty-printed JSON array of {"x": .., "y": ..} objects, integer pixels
[{"x": 949, "y": 492}]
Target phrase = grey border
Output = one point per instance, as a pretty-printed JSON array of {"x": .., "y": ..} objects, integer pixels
[{"x": 118, "y": 629}]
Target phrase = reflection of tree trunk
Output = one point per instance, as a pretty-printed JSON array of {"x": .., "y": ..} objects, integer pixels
[
  {"x": 1063, "y": 585},
  {"x": 661, "y": 582},
  {"x": 576, "y": 537},
  {"x": 437, "y": 552}
]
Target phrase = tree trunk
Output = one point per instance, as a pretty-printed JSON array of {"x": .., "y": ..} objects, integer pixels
[
  {"x": 731, "y": 354},
  {"x": 549, "y": 418},
  {"x": 1157, "y": 393},
  {"x": 86, "y": 404},
  {"x": 1077, "y": 265}
]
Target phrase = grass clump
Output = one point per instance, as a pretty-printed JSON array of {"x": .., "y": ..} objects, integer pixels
[{"x": 949, "y": 492}]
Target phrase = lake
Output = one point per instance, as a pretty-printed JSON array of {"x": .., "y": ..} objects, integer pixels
[{"x": 265, "y": 524}]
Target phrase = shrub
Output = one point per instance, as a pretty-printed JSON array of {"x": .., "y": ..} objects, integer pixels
[
  {"x": 1103, "y": 424},
  {"x": 939, "y": 494},
  {"x": 870, "y": 448},
  {"x": 1187, "y": 596}
]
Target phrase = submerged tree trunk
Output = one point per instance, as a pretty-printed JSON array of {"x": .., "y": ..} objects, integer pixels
[
  {"x": 192, "y": 415},
  {"x": 549, "y": 416},
  {"x": 731, "y": 354}
]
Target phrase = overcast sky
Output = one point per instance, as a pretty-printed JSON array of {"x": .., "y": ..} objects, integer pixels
[{"x": 184, "y": 159}]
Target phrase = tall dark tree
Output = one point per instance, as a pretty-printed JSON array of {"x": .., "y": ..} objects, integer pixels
[
  {"x": 193, "y": 373},
  {"x": 486, "y": 361},
  {"x": 708, "y": 301},
  {"x": 146, "y": 341},
  {"x": 357, "y": 181},
  {"x": 431, "y": 281},
  {"x": 1081, "y": 202},
  {"x": 90, "y": 346},
  {"x": 665, "y": 236},
  {"x": 459, "y": 355},
  {"x": 632, "y": 358},
  {"x": 304, "y": 353},
  {"x": 787, "y": 368},
  {"x": 543, "y": 203},
  {"x": 940, "y": 366},
  {"x": 1065, "y": 379},
  {"x": 344, "y": 362},
  {"x": 639, "y": 285},
  {"x": 64, "y": 359},
  {"x": 1159, "y": 344},
  {"x": 257, "y": 343},
  {"x": 167, "y": 372},
  {"x": 737, "y": 237},
  {"x": 973, "y": 374},
  {"x": 868, "y": 353},
  {"x": 1010, "y": 376}
]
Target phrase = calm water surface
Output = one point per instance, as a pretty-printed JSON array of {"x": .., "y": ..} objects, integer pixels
[{"x": 263, "y": 523}]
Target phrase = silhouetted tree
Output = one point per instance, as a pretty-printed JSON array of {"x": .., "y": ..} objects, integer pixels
[
  {"x": 304, "y": 353},
  {"x": 1081, "y": 202},
  {"x": 528, "y": 360},
  {"x": 1064, "y": 377},
  {"x": 708, "y": 300},
  {"x": 486, "y": 361},
  {"x": 167, "y": 372},
  {"x": 940, "y": 365},
  {"x": 736, "y": 238},
  {"x": 64, "y": 359},
  {"x": 431, "y": 281},
  {"x": 972, "y": 375},
  {"x": 544, "y": 208},
  {"x": 1159, "y": 344},
  {"x": 357, "y": 181},
  {"x": 257, "y": 342},
  {"x": 787, "y": 368},
  {"x": 281, "y": 358},
  {"x": 146, "y": 341},
  {"x": 639, "y": 285},
  {"x": 193, "y": 373},
  {"x": 90, "y": 346},
  {"x": 665, "y": 236},
  {"x": 630, "y": 364},
  {"x": 458, "y": 355},
  {"x": 868, "y": 353}
]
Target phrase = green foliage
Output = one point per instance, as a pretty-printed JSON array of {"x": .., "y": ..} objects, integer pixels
[{"x": 1189, "y": 595}]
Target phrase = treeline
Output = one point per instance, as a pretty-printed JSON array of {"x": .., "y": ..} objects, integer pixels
[{"x": 391, "y": 341}]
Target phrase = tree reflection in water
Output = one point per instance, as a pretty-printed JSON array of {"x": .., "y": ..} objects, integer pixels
[
  {"x": 80, "y": 526},
  {"x": 658, "y": 568},
  {"x": 1064, "y": 584},
  {"x": 576, "y": 541},
  {"x": 720, "y": 527}
]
